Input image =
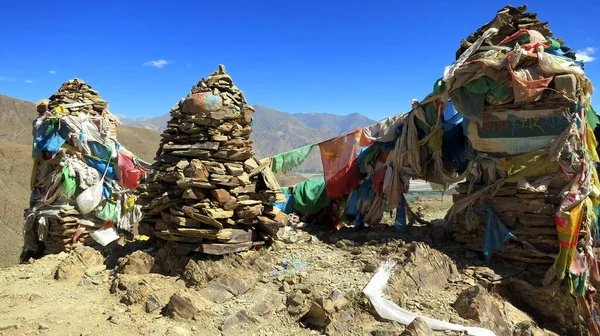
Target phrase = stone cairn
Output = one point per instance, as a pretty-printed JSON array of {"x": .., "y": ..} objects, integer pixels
[
  {"x": 532, "y": 168},
  {"x": 508, "y": 21},
  {"x": 76, "y": 91},
  {"x": 529, "y": 213},
  {"x": 527, "y": 208},
  {"x": 208, "y": 193},
  {"x": 53, "y": 221}
]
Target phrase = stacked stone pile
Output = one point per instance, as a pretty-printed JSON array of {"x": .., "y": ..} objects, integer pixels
[
  {"x": 528, "y": 212},
  {"x": 78, "y": 160},
  {"x": 79, "y": 97},
  {"x": 508, "y": 21},
  {"x": 209, "y": 193}
]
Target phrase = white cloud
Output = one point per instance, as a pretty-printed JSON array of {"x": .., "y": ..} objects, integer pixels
[
  {"x": 586, "y": 54},
  {"x": 7, "y": 79},
  {"x": 157, "y": 64},
  {"x": 52, "y": 72},
  {"x": 28, "y": 81}
]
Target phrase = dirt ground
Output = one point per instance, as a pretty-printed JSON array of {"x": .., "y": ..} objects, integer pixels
[{"x": 273, "y": 291}]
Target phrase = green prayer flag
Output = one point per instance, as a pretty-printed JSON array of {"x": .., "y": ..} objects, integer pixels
[
  {"x": 287, "y": 161},
  {"x": 69, "y": 185},
  {"x": 109, "y": 212},
  {"x": 592, "y": 117},
  {"x": 310, "y": 197}
]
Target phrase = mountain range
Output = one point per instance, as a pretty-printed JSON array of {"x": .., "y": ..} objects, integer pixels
[
  {"x": 276, "y": 132},
  {"x": 273, "y": 132}
]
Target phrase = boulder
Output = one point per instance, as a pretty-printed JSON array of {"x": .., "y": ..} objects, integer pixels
[
  {"x": 79, "y": 260},
  {"x": 138, "y": 262},
  {"x": 425, "y": 270},
  {"x": 238, "y": 322},
  {"x": 186, "y": 304},
  {"x": 476, "y": 303},
  {"x": 418, "y": 327}
]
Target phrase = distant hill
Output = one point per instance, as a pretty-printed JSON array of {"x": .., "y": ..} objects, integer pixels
[
  {"x": 157, "y": 124},
  {"x": 276, "y": 132},
  {"x": 333, "y": 123},
  {"x": 16, "y": 117}
]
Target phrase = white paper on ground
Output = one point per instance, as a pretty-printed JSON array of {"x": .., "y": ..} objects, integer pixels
[
  {"x": 105, "y": 236},
  {"x": 391, "y": 311}
]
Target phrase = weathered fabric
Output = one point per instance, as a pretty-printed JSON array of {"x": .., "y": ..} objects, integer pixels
[
  {"x": 129, "y": 175},
  {"x": 385, "y": 130},
  {"x": 49, "y": 136},
  {"x": 496, "y": 234},
  {"x": 284, "y": 162},
  {"x": 310, "y": 197},
  {"x": 510, "y": 146},
  {"x": 101, "y": 166},
  {"x": 69, "y": 184},
  {"x": 340, "y": 167},
  {"x": 529, "y": 165},
  {"x": 568, "y": 231},
  {"x": 110, "y": 212}
]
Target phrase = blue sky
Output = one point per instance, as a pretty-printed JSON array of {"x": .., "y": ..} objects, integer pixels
[{"x": 340, "y": 57}]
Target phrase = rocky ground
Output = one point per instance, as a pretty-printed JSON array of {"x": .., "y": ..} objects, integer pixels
[{"x": 308, "y": 283}]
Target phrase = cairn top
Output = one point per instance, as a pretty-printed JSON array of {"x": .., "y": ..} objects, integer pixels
[
  {"x": 509, "y": 20},
  {"x": 73, "y": 97}
]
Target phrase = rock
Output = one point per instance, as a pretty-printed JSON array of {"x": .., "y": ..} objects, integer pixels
[
  {"x": 263, "y": 308},
  {"x": 85, "y": 282},
  {"x": 475, "y": 303},
  {"x": 234, "y": 284},
  {"x": 95, "y": 270},
  {"x": 132, "y": 289},
  {"x": 153, "y": 302},
  {"x": 514, "y": 315},
  {"x": 216, "y": 292},
  {"x": 10, "y": 326},
  {"x": 238, "y": 321},
  {"x": 249, "y": 211},
  {"x": 234, "y": 169},
  {"x": 339, "y": 324},
  {"x": 297, "y": 299},
  {"x": 186, "y": 304},
  {"x": 418, "y": 327},
  {"x": 194, "y": 194},
  {"x": 317, "y": 317},
  {"x": 219, "y": 213},
  {"x": 179, "y": 331},
  {"x": 138, "y": 262},
  {"x": 554, "y": 305},
  {"x": 439, "y": 231},
  {"x": 221, "y": 196},
  {"x": 339, "y": 301},
  {"x": 79, "y": 260},
  {"x": 196, "y": 170},
  {"x": 200, "y": 103},
  {"x": 296, "y": 303},
  {"x": 530, "y": 329},
  {"x": 370, "y": 267},
  {"x": 384, "y": 332},
  {"x": 426, "y": 269}
]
